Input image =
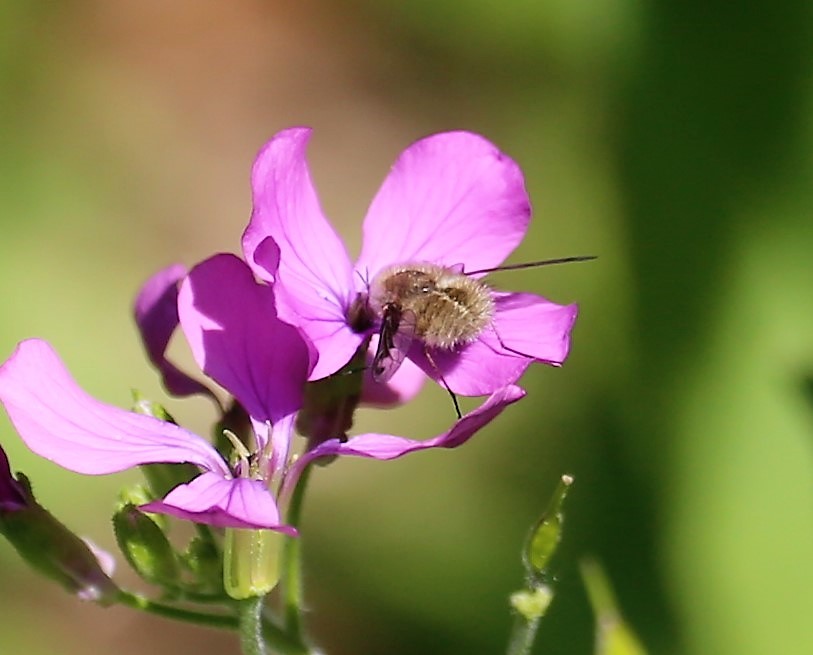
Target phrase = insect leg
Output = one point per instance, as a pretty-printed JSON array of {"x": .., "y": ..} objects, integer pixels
[
  {"x": 509, "y": 349},
  {"x": 443, "y": 382}
]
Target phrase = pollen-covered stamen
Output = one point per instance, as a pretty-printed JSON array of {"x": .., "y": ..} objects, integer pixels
[{"x": 243, "y": 463}]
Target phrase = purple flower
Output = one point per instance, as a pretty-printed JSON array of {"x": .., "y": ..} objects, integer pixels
[
  {"x": 264, "y": 364},
  {"x": 451, "y": 203},
  {"x": 230, "y": 323},
  {"x": 216, "y": 362}
]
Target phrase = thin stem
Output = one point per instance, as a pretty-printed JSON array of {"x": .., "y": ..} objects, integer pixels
[
  {"x": 251, "y": 626},
  {"x": 274, "y": 637},
  {"x": 136, "y": 601},
  {"x": 523, "y": 633},
  {"x": 205, "y": 533},
  {"x": 292, "y": 563}
]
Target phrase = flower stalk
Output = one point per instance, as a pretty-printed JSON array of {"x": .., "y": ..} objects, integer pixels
[
  {"x": 292, "y": 563},
  {"x": 251, "y": 634},
  {"x": 531, "y": 603}
]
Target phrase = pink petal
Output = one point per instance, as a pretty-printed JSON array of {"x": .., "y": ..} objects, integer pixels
[
  {"x": 316, "y": 280},
  {"x": 236, "y": 338},
  {"x": 401, "y": 388},
  {"x": 225, "y": 503},
  {"x": 156, "y": 315},
  {"x": 526, "y": 328},
  {"x": 532, "y": 325},
  {"x": 387, "y": 446},
  {"x": 450, "y": 198},
  {"x": 474, "y": 370},
  {"x": 106, "y": 559},
  {"x": 60, "y": 422}
]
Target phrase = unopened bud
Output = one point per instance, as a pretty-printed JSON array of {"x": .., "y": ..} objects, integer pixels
[
  {"x": 203, "y": 559},
  {"x": 145, "y": 546},
  {"x": 46, "y": 544},
  {"x": 161, "y": 478},
  {"x": 547, "y": 533}
]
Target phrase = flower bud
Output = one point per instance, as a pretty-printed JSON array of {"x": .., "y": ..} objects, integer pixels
[
  {"x": 46, "y": 544},
  {"x": 161, "y": 478},
  {"x": 547, "y": 533},
  {"x": 142, "y": 405},
  {"x": 203, "y": 559},
  {"x": 145, "y": 546}
]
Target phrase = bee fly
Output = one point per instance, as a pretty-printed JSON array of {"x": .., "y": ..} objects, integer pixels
[{"x": 443, "y": 307}]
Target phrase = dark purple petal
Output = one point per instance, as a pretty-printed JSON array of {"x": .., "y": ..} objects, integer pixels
[
  {"x": 225, "y": 503},
  {"x": 59, "y": 421},
  {"x": 387, "y": 446},
  {"x": 315, "y": 282},
  {"x": 12, "y": 495},
  {"x": 450, "y": 198},
  {"x": 236, "y": 338},
  {"x": 156, "y": 315}
]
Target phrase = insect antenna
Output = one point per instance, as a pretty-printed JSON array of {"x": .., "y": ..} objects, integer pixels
[{"x": 541, "y": 262}]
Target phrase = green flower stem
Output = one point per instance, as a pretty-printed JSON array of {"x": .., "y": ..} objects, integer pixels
[
  {"x": 273, "y": 636},
  {"x": 136, "y": 601},
  {"x": 280, "y": 642},
  {"x": 292, "y": 564},
  {"x": 180, "y": 593},
  {"x": 205, "y": 534},
  {"x": 523, "y": 633},
  {"x": 529, "y": 607},
  {"x": 251, "y": 632}
]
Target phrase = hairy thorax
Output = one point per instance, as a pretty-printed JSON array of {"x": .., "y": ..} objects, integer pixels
[{"x": 448, "y": 308}]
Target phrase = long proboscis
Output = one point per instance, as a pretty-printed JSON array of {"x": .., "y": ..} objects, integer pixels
[{"x": 542, "y": 262}]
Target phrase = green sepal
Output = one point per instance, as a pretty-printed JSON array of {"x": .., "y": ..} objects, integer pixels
[
  {"x": 532, "y": 603},
  {"x": 145, "y": 546},
  {"x": 613, "y": 635},
  {"x": 546, "y": 534},
  {"x": 56, "y": 552},
  {"x": 251, "y": 562},
  {"x": 203, "y": 560}
]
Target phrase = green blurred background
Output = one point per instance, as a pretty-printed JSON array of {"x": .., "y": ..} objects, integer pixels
[{"x": 672, "y": 139}]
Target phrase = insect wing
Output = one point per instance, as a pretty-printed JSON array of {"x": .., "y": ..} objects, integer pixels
[{"x": 394, "y": 339}]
